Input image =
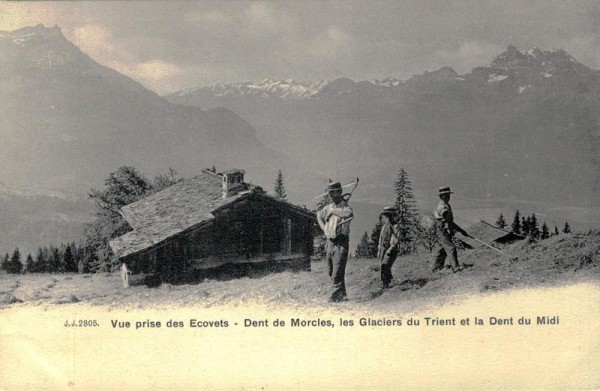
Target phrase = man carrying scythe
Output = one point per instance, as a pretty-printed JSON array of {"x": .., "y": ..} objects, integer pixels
[
  {"x": 445, "y": 228},
  {"x": 334, "y": 219}
]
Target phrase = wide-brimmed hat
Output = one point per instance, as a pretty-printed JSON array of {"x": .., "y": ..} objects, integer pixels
[
  {"x": 389, "y": 210},
  {"x": 445, "y": 190},
  {"x": 334, "y": 186}
]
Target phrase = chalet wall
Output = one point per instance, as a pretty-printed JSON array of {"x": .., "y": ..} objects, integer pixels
[{"x": 250, "y": 229}]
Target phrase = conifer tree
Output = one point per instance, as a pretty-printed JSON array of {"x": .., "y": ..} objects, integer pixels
[
  {"x": 70, "y": 265},
  {"x": 40, "y": 262},
  {"x": 516, "y": 225},
  {"x": 500, "y": 223},
  {"x": 556, "y": 231},
  {"x": 15, "y": 265},
  {"x": 545, "y": 232},
  {"x": 279, "y": 186},
  {"x": 406, "y": 216},
  {"x": 534, "y": 229},
  {"x": 525, "y": 225},
  {"x": 362, "y": 250},
  {"x": 5, "y": 263},
  {"x": 566, "y": 228},
  {"x": 29, "y": 264}
]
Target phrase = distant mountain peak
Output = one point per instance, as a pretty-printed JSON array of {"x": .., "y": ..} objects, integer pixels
[
  {"x": 441, "y": 75},
  {"x": 37, "y": 31},
  {"x": 40, "y": 46},
  {"x": 537, "y": 59}
]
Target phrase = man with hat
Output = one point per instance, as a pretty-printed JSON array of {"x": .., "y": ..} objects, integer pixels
[
  {"x": 387, "y": 249},
  {"x": 334, "y": 219},
  {"x": 445, "y": 228}
]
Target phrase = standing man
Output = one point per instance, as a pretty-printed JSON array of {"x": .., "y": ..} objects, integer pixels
[
  {"x": 445, "y": 228},
  {"x": 387, "y": 249},
  {"x": 334, "y": 220}
]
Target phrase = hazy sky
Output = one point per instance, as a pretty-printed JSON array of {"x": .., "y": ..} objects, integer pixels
[{"x": 174, "y": 45}]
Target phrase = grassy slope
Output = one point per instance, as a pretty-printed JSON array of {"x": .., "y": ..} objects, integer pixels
[{"x": 558, "y": 260}]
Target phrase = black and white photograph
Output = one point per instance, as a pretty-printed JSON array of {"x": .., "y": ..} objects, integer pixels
[{"x": 299, "y": 195}]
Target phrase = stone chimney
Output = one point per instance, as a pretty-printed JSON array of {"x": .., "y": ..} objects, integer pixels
[{"x": 233, "y": 182}]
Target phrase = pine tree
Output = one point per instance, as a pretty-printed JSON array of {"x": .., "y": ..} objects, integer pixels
[
  {"x": 362, "y": 250},
  {"x": 40, "y": 262},
  {"x": 279, "y": 186},
  {"x": 556, "y": 231},
  {"x": 525, "y": 225},
  {"x": 534, "y": 229},
  {"x": 406, "y": 216},
  {"x": 29, "y": 264},
  {"x": 545, "y": 232},
  {"x": 69, "y": 261},
  {"x": 566, "y": 228},
  {"x": 516, "y": 225},
  {"x": 15, "y": 265},
  {"x": 500, "y": 223},
  {"x": 55, "y": 260},
  {"x": 5, "y": 263}
]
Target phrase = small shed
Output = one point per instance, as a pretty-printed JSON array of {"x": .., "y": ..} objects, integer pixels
[
  {"x": 488, "y": 233},
  {"x": 214, "y": 220}
]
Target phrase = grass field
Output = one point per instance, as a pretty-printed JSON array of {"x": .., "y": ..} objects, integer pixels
[{"x": 558, "y": 260}]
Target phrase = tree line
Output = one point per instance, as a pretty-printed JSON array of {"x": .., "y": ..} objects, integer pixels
[
  {"x": 528, "y": 226},
  {"x": 66, "y": 258}
]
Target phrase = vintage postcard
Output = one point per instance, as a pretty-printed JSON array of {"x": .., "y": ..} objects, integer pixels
[{"x": 286, "y": 195}]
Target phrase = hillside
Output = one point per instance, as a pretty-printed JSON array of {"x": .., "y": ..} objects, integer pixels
[
  {"x": 524, "y": 126},
  {"x": 559, "y": 260},
  {"x": 67, "y": 121}
]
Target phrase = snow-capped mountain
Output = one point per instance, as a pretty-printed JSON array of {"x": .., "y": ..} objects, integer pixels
[
  {"x": 514, "y": 125},
  {"x": 288, "y": 89},
  {"x": 284, "y": 89},
  {"x": 525, "y": 69}
]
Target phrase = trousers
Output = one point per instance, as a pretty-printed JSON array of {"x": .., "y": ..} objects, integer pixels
[
  {"x": 445, "y": 248},
  {"x": 337, "y": 257},
  {"x": 387, "y": 262}
]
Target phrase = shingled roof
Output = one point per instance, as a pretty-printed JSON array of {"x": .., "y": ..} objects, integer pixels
[
  {"x": 184, "y": 205},
  {"x": 488, "y": 233}
]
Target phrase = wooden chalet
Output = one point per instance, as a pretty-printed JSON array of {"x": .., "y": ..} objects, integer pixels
[
  {"x": 213, "y": 220},
  {"x": 488, "y": 233}
]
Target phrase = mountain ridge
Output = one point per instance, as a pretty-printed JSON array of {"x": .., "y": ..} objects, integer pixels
[
  {"x": 510, "y": 60},
  {"x": 512, "y": 125}
]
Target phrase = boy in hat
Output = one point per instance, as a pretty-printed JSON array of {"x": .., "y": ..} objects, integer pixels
[
  {"x": 334, "y": 220},
  {"x": 445, "y": 228},
  {"x": 387, "y": 249}
]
